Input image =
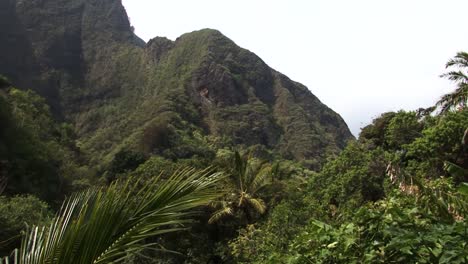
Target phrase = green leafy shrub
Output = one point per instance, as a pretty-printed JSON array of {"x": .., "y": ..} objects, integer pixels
[
  {"x": 394, "y": 230},
  {"x": 402, "y": 129},
  {"x": 376, "y": 131},
  {"x": 438, "y": 143},
  {"x": 355, "y": 177},
  {"x": 17, "y": 214}
]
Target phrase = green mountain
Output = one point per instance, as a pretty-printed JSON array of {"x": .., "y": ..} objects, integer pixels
[
  {"x": 87, "y": 107},
  {"x": 164, "y": 97}
]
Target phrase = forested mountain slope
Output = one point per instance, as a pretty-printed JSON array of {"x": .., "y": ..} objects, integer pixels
[
  {"x": 120, "y": 93},
  {"x": 196, "y": 151}
]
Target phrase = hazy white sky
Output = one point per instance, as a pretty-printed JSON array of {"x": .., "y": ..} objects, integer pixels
[{"x": 360, "y": 57}]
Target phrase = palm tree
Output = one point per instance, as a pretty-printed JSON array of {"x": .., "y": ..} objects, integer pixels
[
  {"x": 459, "y": 97},
  {"x": 247, "y": 177},
  {"x": 108, "y": 225}
]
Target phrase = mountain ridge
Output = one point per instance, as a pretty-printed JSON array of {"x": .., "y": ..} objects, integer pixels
[{"x": 114, "y": 88}]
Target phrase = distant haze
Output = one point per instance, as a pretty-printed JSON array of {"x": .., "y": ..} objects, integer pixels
[{"x": 361, "y": 58}]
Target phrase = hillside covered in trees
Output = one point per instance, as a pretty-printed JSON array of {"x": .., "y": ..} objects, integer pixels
[{"x": 113, "y": 150}]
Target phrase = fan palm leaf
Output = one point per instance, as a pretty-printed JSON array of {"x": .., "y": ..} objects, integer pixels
[{"x": 107, "y": 225}]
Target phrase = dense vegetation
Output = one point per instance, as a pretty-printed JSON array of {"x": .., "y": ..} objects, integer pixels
[
  {"x": 376, "y": 202},
  {"x": 398, "y": 194},
  {"x": 195, "y": 151}
]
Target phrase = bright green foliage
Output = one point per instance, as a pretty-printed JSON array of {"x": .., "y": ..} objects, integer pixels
[
  {"x": 401, "y": 228},
  {"x": 356, "y": 176},
  {"x": 392, "y": 130},
  {"x": 361, "y": 217},
  {"x": 108, "y": 225},
  {"x": 403, "y": 128},
  {"x": 375, "y": 132},
  {"x": 394, "y": 230},
  {"x": 268, "y": 242},
  {"x": 439, "y": 143}
]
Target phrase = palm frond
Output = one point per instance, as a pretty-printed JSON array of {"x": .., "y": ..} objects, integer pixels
[
  {"x": 107, "y": 225},
  {"x": 460, "y": 60},
  {"x": 260, "y": 179},
  {"x": 256, "y": 203},
  {"x": 445, "y": 103},
  {"x": 220, "y": 214},
  {"x": 456, "y": 76},
  {"x": 275, "y": 171},
  {"x": 459, "y": 97},
  {"x": 248, "y": 176}
]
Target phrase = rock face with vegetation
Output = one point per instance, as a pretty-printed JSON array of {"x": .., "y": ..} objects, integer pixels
[
  {"x": 90, "y": 112},
  {"x": 121, "y": 93}
]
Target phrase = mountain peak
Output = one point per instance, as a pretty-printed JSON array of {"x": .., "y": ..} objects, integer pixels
[
  {"x": 204, "y": 32},
  {"x": 98, "y": 75},
  {"x": 206, "y": 38}
]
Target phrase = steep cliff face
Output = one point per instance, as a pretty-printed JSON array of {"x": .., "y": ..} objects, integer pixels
[
  {"x": 71, "y": 47},
  {"x": 16, "y": 52},
  {"x": 239, "y": 96},
  {"x": 84, "y": 58}
]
